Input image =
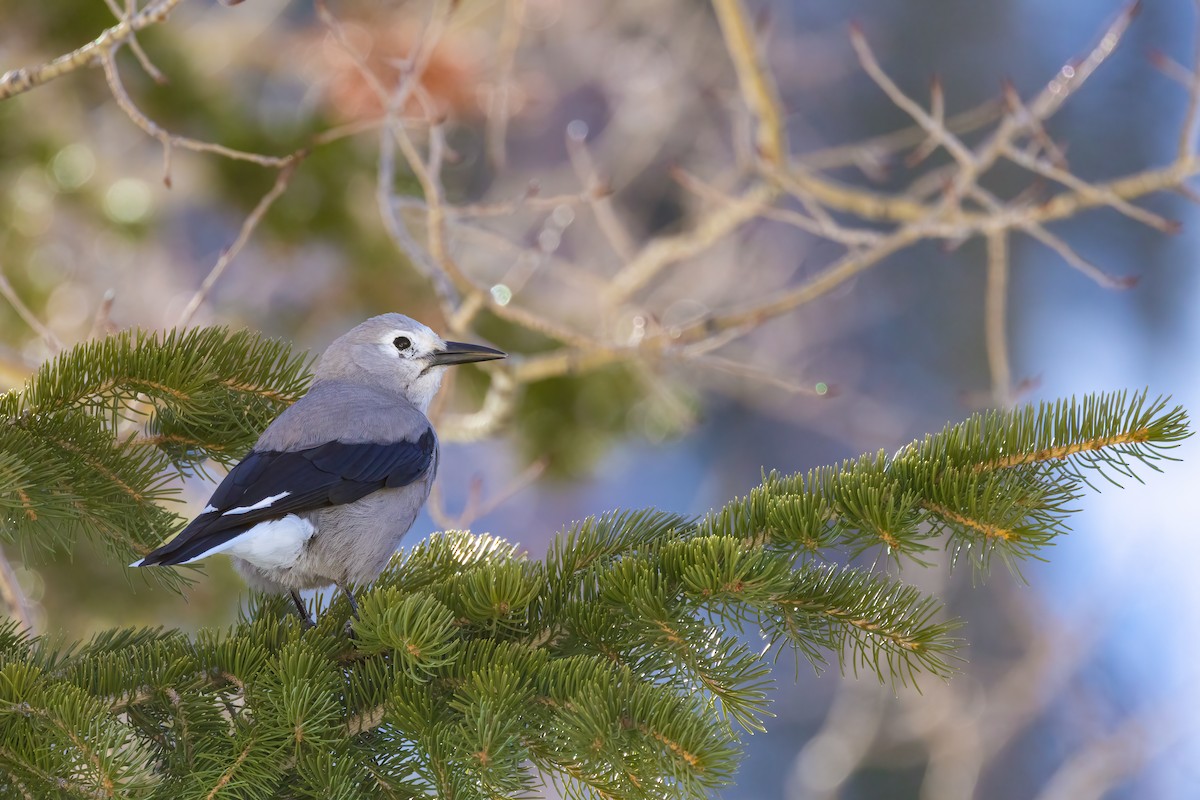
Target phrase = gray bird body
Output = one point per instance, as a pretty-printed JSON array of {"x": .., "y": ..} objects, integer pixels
[
  {"x": 350, "y": 543},
  {"x": 333, "y": 484}
]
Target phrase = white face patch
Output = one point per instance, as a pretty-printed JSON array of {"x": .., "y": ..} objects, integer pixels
[
  {"x": 417, "y": 381},
  {"x": 424, "y": 387},
  {"x": 423, "y": 341},
  {"x": 266, "y": 502}
]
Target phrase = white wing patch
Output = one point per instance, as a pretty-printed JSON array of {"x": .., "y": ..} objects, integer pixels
[
  {"x": 276, "y": 543},
  {"x": 266, "y": 502}
]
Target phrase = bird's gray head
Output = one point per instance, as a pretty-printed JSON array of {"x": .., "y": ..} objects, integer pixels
[{"x": 399, "y": 355}]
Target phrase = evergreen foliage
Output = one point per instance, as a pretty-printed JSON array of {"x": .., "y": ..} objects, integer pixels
[
  {"x": 95, "y": 441},
  {"x": 628, "y": 662}
]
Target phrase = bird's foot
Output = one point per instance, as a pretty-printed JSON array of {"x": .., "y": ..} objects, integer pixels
[
  {"x": 306, "y": 621},
  {"x": 349, "y": 629},
  {"x": 350, "y": 597}
]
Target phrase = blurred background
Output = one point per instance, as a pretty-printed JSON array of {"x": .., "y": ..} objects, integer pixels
[{"x": 573, "y": 134}]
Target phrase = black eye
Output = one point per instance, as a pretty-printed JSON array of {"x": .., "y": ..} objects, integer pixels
[{"x": 402, "y": 343}]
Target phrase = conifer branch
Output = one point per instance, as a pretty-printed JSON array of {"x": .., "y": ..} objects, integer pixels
[
  {"x": 69, "y": 466},
  {"x": 613, "y": 665}
]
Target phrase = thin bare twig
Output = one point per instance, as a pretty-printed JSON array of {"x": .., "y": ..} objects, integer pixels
[
  {"x": 1075, "y": 74},
  {"x": 782, "y": 302},
  {"x": 599, "y": 194},
  {"x": 1102, "y": 764},
  {"x": 248, "y": 225},
  {"x": 878, "y": 148},
  {"x": 436, "y": 214},
  {"x": 170, "y": 140},
  {"x": 1101, "y": 194},
  {"x": 492, "y": 415},
  {"x": 937, "y": 112},
  {"x": 1191, "y": 120},
  {"x": 996, "y": 318},
  {"x": 393, "y": 103},
  {"x": 102, "y": 320},
  {"x": 23, "y": 311},
  {"x": 933, "y": 125},
  {"x": 1055, "y": 243},
  {"x": 754, "y": 79},
  {"x": 666, "y": 250},
  {"x": 762, "y": 98},
  {"x": 477, "y": 506},
  {"x": 1056, "y": 92},
  {"x": 134, "y": 45},
  {"x": 726, "y": 325},
  {"x": 499, "y": 98},
  {"x": 528, "y": 201},
  {"x": 1016, "y": 106},
  {"x": 821, "y": 224},
  {"x": 742, "y": 369},
  {"x": 22, "y": 80},
  {"x": 1076, "y": 261}
]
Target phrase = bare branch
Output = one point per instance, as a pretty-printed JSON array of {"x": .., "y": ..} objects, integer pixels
[
  {"x": 30, "y": 319},
  {"x": 1068, "y": 81},
  {"x": 1102, "y": 764},
  {"x": 1072, "y": 76},
  {"x": 877, "y": 148},
  {"x": 169, "y": 140},
  {"x": 995, "y": 318},
  {"x": 666, "y": 250},
  {"x": 248, "y": 225},
  {"x": 1191, "y": 119},
  {"x": 499, "y": 98},
  {"x": 528, "y": 201},
  {"x": 820, "y": 224},
  {"x": 22, "y": 80},
  {"x": 1055, "y": 243},
  {"x": 757, "y": 87},
  {"x": 1016, "y": 106},
  {"x": 765, "y": 377},
  {"x": 782, "y": 302},
  {"x": 934, "y": 126},
  {"x": 728, "y": 325},
  {"x": 937, "y": 112},
  {"x": 599, "y": 194},
  {"x": 477, "y": 506},
  {"x": 1076, "y": 261},
  {"x": 134, "y": 45},
  {"x": 1100, "y": 194},
  {"x": 490, "y": 418}
]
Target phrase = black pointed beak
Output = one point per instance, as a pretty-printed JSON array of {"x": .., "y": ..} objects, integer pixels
[{"x": 463, "y": 353}]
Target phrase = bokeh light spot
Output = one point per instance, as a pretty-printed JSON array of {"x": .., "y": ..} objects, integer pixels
[
  {"x": 577, "y": 130},
  {"x": 128, "y": 200},
  {"x": 73, "y": 166},
  {"x": 501, "y": 294}
]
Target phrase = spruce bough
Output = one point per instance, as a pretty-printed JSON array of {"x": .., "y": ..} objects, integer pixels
[{"x": 616, "y": 666}]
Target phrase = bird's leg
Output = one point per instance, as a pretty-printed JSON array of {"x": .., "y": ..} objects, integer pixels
[
  {"x": 350, "y": 596},
  {"x": 305, "y": 619}
]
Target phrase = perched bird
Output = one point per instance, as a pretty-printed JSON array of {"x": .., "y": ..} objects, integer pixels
[{"x": 332, "y": 485}]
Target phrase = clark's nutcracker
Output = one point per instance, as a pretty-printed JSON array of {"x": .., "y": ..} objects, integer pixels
[{"x": 338, "y": 478}]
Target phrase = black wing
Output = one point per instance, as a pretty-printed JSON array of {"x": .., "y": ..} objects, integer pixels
[{"x": 269, "y": 485}]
